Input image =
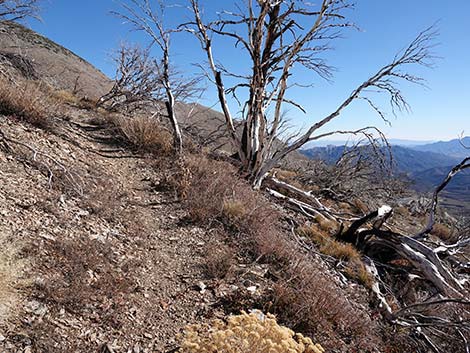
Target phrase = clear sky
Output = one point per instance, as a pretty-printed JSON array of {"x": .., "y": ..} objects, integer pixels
[{"x": 438, "y": 113}]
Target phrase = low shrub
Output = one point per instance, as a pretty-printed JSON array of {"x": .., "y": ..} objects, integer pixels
[
  {"x": 28, "y": 101},
  {"x": 441, "y": 231},
  {"x": 246, "y": 333},
  {"x": 82, "y": 272},
  {"x": 304, "y": 297},
  {"x": 220, "y": 261},
  {"x": 210, "y": 186},
  {"x": 145, "y": 133}
]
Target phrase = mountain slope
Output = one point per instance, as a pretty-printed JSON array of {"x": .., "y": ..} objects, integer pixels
[
  {"x": 51, "y": 62},
  {"x": 451, "y": 148},
  {"x": 406, "y": 160}
]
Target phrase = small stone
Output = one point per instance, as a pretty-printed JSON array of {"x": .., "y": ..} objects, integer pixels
[
  {"x": 251, "y": 289},
  {"x": 202, "y": 287}
]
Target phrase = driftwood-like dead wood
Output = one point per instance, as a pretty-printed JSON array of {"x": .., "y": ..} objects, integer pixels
[
  {"x": 304, "y": 200},
  {"x": 436, "y": 263},
  {"x": 49, "y": 165}
]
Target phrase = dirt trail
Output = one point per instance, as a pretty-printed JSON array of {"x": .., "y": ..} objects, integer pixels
[{"x": 113, "y": 268}]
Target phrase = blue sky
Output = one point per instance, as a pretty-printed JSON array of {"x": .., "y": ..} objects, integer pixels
[{"x": 440, "y": 112}]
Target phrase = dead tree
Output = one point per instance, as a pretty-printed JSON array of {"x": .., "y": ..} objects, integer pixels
[
  {"x": 17, "y": 10},
  {"x": 137, "y": 80},
  {"x": 435, "y": 263},
  {"x": 439, "y": 314},
  {"x": 272, "y": 34},
  {"x": 144, "y": 17}
]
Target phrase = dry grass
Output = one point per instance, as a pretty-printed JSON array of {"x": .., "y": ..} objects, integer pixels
[
  {"x": 27, "y": 100},
  {"x": 66, "y": 97},
  {"x": 11, "y": 278},
  {"x": 80, "y": 273},
  {"x": 355, "y": 268},
  {"x": 304, "y": 297},
  {"x": 146, "y": 134},
  {"x": 326, "y": 225},
  {"x": 328, "y": 245},
  {"x": 442, "y": 231},
  {"x": 211, "y": 184},
  {"x": 402, "y": 211},
  {"x": 234, "y": 211},
  {"x": 220, "y": 261}
]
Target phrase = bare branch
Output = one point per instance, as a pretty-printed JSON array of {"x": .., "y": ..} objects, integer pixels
[{"x": 18, "y": 10}]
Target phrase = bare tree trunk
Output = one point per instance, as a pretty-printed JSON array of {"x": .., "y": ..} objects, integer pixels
[{"x": 170, "y": 107}]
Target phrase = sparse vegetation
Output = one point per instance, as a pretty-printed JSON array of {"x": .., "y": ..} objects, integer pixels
[
  {"x": 12, "y": 269},
  {"x": 27, "y": 101},
  {"x": 126, "y": 244},
  {"x": 81, "y": 271},
  {"x": 441, "y": 231},
  {"x": 303, "y": 296},
  {"x": 145, "y": 134}
]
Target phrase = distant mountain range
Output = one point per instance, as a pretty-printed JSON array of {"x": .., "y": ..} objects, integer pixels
[
  {"x": 453, "y": 148},
  {"x": 398, "y": 142},
  {"x": 425, "y": 165}
]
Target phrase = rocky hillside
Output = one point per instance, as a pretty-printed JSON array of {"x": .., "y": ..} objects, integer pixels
[
  {"x": 38, "y": 57},
  {"x": 111, "y": 243}
]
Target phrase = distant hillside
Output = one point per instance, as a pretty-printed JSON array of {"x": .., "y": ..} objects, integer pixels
[
  {"x": 451, "y": 148},
  {"x": 425, "y": 170},
  {"x": 394, "y": 142},
  {"x": 456, "y": 196},
  {"x": 51, "y": 62},
  {"x": 406, "y": 160}
]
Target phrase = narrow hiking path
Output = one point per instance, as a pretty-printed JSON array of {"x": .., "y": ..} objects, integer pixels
[{"x": 103, "y": 257}]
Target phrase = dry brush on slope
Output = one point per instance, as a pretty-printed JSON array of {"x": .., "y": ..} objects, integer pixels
[
  {"x": 305, "y": 294},
  {"x": 428, "y": 292}
]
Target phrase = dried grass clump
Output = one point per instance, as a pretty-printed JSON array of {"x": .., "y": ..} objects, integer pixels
[
  {"x": 355, "y": 268},
  {"x": 27, "y": 100},
  {"x": 328, "y": 245},
  {"x": 246, "y": 333},
  {"x": 402, "y": 211},
  {"x": 146, "y": 134},
  {"x": 220, "y": 261},
  {"x": 326, "y": 224},
  {"x": 66, "y": 97},
  {"x": 211, "y": 184},
  {"x": 234, "y": 210},
  {"x": 441, "y": 231}
]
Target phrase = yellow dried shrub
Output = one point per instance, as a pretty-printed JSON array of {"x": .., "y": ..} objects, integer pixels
[
  {"x": 65, "y": 96},
  {"x": 246, "y": 333},
  {"x": 441, "y": 231},
  {"x": 234, "y": 210}
]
